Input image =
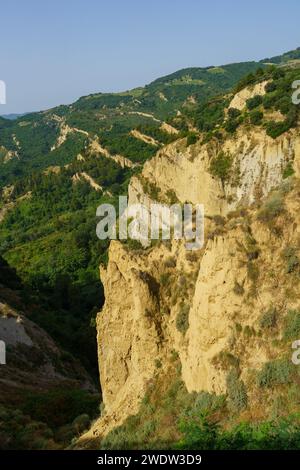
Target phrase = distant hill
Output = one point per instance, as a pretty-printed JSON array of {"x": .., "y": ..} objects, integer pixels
[
  {"x": 36, "y": 141},
  {"x": 283, "y": 58},
  {"x": 12, "y": 116}
]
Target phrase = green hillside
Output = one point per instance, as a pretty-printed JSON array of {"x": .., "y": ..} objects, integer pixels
[
  {"x": 111, "y": 116},
  {"x": 48, "y": 228}
]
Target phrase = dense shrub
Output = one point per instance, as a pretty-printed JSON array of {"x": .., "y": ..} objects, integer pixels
[
  {"x": 292, "y": 325},
  {"x": 271, "y": 86},
  {"x": 236, "y": 390},
  {"x": 209, "y": 115},
  {"x": 206, "y": 434},
  {"x": 275, "y": 129},
  {"x": 274, "y": 373},
  {"x": 191, "y": 138},
  {"x": 245, "y": 81},
  {"x": 252, "y": 103},
  {"x": 288, "y": 171},
  {"x": 220, "y": 166},
  {"x": 231, "y": 125},
  {"x": 256, "y": 117},
  {"x": 233, "y": 113}
]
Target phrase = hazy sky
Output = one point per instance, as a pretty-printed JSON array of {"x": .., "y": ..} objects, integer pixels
[{"x": 53, "y": 52}]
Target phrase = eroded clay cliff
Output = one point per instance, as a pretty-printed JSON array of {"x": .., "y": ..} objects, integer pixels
[{"x": 165, "y": 299}]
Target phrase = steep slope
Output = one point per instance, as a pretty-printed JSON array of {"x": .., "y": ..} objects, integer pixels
[
  {"x": 33, "y": 360},
  {"x": 42, "y": 387},
  {"x": 222, "y": 319},
  {"x": 226, "y": 150},
  {"x": 57, "y": 166}
]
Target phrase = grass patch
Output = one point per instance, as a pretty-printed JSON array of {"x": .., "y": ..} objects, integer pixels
[{"x": 292, "y": 325}]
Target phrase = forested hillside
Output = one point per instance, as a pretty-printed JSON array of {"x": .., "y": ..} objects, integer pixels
[{"x": 57, "y": 166}]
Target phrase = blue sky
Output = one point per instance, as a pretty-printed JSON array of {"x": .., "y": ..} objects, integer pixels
[{"x": 53, "y": 52}]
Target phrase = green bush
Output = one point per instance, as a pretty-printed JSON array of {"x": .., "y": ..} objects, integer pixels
[
  {"x": 275, "y": 129},
  {"x": 231, "y": 125},
  {"x": 252, "y": 103},
  {"x": 271, "y": 86},
  {"x": 220, "y": 166},
  {"x": 210, "y": 114},
  {"x": 158, "y": 363},
  {"x": 150, "y": 188},
  {"x": 256, "y": 117},
  {"x": 274, "y": 373},
  {"x": 248, "y": 79},
  {"x": 288, "y": 171},
  {"x": 233, "y": 113},
  {"x": 171, "y": 195},
  {"x": 236, "y": 390},
  {"x": 203, "y": 433},
  {"x": 191, "y": 138}
]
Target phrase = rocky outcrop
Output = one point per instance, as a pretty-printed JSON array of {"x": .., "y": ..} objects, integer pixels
[
  {"x": 164, "y": 299},
  {"x": 64, "y": 131},
  {"x": 257, "y": 165},
  {"x": 240, "y": 98},
  {"x": 95, "y": 148}
]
